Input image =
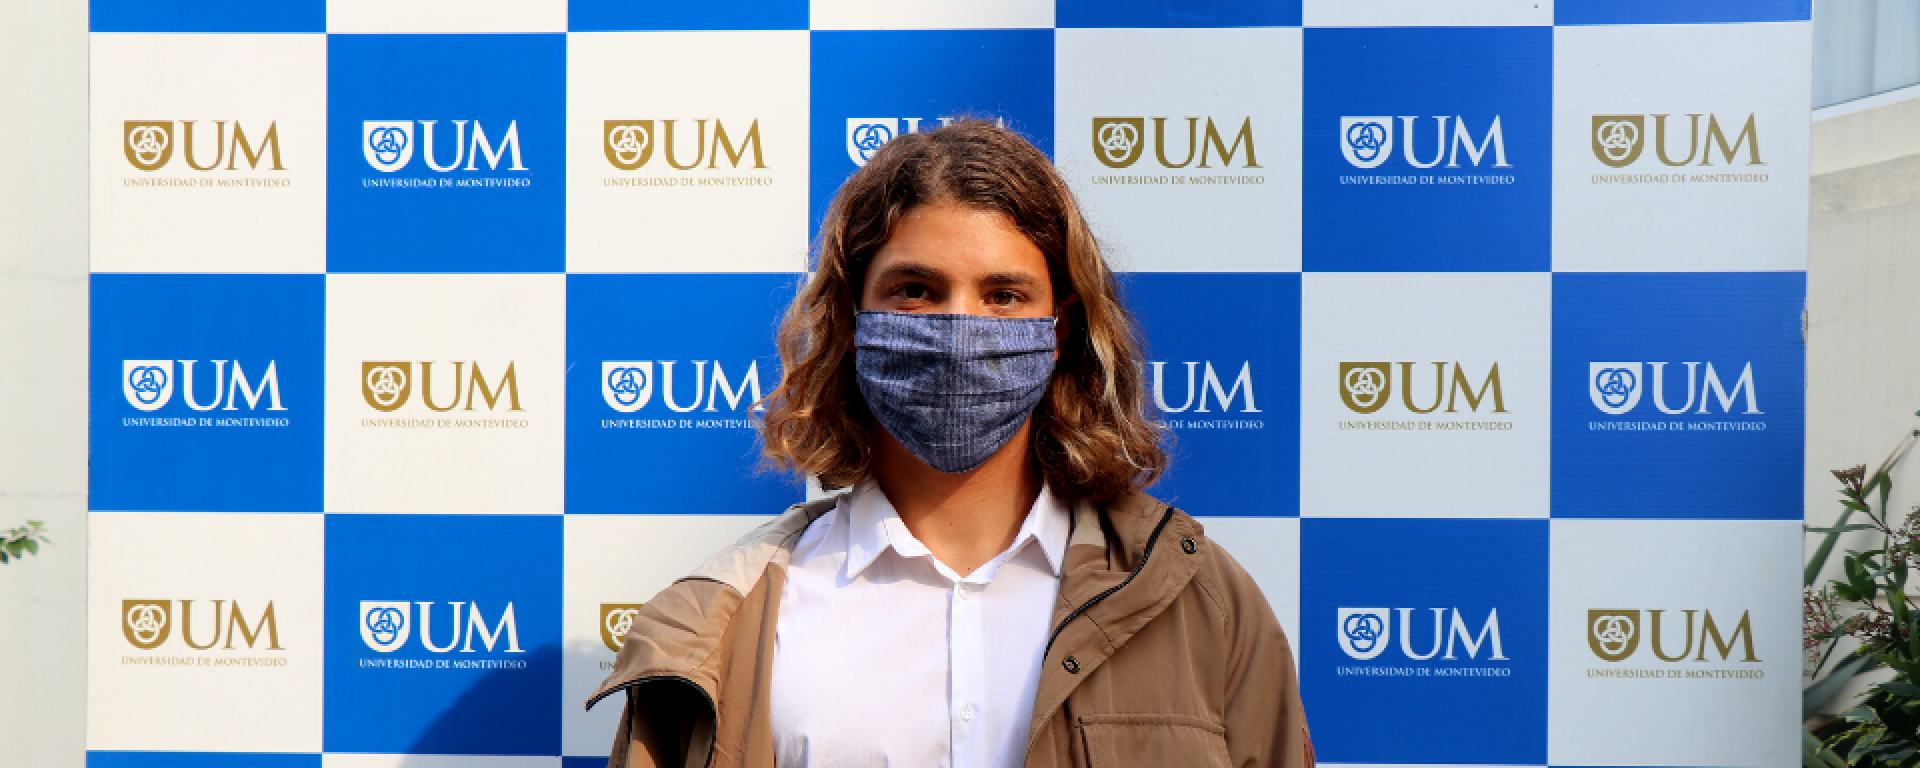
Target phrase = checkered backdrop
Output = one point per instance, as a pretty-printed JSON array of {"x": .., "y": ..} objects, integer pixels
[{"x": 425, "y": 335}]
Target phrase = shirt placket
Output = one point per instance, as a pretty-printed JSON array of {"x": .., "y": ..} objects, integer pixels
[{"x": 968, "y": 686}]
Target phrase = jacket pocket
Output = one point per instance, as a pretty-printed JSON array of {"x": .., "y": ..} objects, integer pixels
[{"x": 1117, "y": 741}]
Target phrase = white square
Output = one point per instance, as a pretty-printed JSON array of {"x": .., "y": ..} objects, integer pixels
[
  {"x": 445, "y": 16},
  {"x": 1461, "y": 442},
  {"x": 729, "y": 194},
  {"x": 1622, "y": 203},
  {"x": 931, "y": 14},
  {"x": 614, "y": 564},
  {"x": 1425, "y": 13},
  {"x": 1136, "y": 137},
  {"x": 399, "y": 438},
  {"x": 256, "y": 109},
  {"x": 1269, "y": 549},
  {"x": 1703, "y": 709},
  {"x": 170, "y": 668}
]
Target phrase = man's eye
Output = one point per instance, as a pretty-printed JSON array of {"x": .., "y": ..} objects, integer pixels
[
  {"x": 911, "y": 291},
  {"x": 1003, "y": 298}
]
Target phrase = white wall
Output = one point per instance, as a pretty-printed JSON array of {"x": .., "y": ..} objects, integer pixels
[
  {"x": 43, "y": 387},
  {"x": 1863, "y": 302}
]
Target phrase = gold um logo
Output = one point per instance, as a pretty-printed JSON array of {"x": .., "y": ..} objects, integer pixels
[
  {"x": 1116, "y": 140},
  {"x": 1616, "y": 138},
  {"x": 1119, "y": 141},
  {"x": 145, "y": 623},
  {"x": 629, "y": 143},
  {"x": 1365, "y": 387},
  {"x": 615, "y": 620},
  {"x": 385, "y": 385},
  {"x": 149, "y": 143},
  {"x": 1613, "y": 635}
]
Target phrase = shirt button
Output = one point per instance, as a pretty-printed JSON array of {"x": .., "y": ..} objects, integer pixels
[{"x": 966, "y": 713}]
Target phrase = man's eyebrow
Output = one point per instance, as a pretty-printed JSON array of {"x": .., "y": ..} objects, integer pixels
[
  {"x": 1009, "y": 279},
  {"x": 909, "y": 269}
]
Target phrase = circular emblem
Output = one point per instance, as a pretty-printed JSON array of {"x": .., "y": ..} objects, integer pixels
[
  {"x": 1366, "y": 139},
  {"x": 618, "y": 622},
  {"x": 1117, "y": 140},
  {"x": 1364, "y": 385},
  {"x": 1363, "y": 631},
  {"x": 1613, "y": 632},
  {"x": 869, "y": 137},
  {"x": 387, "y": 143},
  {"x": 146, "y": 620},
  {"x": 386, "y": 382},
  {"x": 385, "y": 622},
  {"x": 147, "y": 381},
  {"x": 1615, "y": 385},
  {"x": 1616, "y": 138},
  {"x": 147, "y": 142},
  {"x": 626, "y": 383},
  {"x": 628, "y": 141}
]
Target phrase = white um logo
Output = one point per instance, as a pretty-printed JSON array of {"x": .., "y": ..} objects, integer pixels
[
  {"x": 865, "y": 135},
  {"x": 149, "y": 385},
  {"x": 386, "y": 625},
  {"x": 388, "y": 145},
  {"x": 1204, "y": 384},
  {"x": 627, "y": 385},
  {"x": 1615, "y": 387},
  {"x": 1365, "y": 633},
  {"x": 1367, "y": 142}
]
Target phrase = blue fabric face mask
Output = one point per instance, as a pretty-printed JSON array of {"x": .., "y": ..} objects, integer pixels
[{"x": 952, "y": 388}]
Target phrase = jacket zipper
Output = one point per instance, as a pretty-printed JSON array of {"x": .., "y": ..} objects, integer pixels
[
  {"x": 1144, "y": 555},
  {"x": 712, "y": 711}
]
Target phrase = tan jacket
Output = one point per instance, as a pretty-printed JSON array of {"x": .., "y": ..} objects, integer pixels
[{"x": 1163, "y": 653}]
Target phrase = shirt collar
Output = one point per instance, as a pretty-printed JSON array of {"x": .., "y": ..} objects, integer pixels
[{"x": 873, "y": 527}]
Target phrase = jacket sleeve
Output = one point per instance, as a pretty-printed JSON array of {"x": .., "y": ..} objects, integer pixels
[{"x": 1266, "y": 725}]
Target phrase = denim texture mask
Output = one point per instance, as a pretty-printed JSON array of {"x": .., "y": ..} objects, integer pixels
[{"x": 952, "y": 388}]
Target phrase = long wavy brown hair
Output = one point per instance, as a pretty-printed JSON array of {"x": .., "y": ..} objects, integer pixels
[{"x": 1093, "y": 438}]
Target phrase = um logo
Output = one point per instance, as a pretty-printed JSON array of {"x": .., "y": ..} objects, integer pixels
[
  {"x": 387, "y": 625},
  {"x": 389, "y": 145},
  {"x": 865, "y": 135},
  {"x": 1614, "y": 635},
  {"x": 628, "y": 385},
  {"x": 149, "y": 385},
  {"x": 148, "y": 623},
  {"x": 388, "y": 385},
  {"x": 149, "y": 144},
  {"x": 629, "y": 144},
  {"x": 1616, "y": 388},
  {"x": 1203, "y": 384},
  {"x": 1367, "y": 142},
  {"x": 615, "y": 620},
  {"x": 1366, "y": 633},
  {"x": 1368, "y": 387},
  {"x": 1120, "y": 141},
  {"x": 1618, "y": 140}
]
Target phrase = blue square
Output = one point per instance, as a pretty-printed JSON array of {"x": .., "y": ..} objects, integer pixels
[
  {"x": 1678, "y": 11},
  {"x": 120, "y": 759},
  {"x": 1471, "y": 191},
  {"x": 1143, "y": 14},
  {"x": 1223, "y": 352},
  {"x": 207, "y": 16},
  {"x": 1678, "y": 395},
  {"x": 205, "y": 392},
  {"x": 871, "y": 86},
  {"x": 445, "y": 153},
  {"x": 618, "y": 15},
  {"x": 663, "y": 373},
  {"x": 1435, "y": 629},
  {"x": 443, "y": 634}
]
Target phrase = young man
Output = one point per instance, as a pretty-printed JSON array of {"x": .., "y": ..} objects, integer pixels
[{"x": 993, "y": 589}]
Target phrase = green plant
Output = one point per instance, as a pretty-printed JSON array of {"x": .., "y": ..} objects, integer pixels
[
  {"x": 1870, "y": 603},
  {"x": 19, "y": 542}
]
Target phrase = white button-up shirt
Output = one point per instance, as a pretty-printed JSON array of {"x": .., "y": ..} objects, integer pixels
[{"x": 886, "y": 657}]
